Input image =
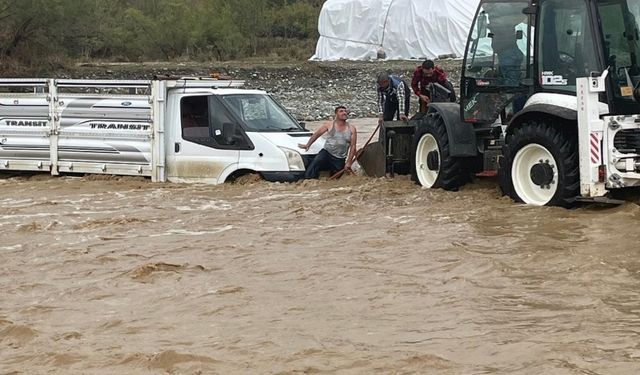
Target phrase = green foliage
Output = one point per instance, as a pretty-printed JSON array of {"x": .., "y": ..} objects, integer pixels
[
  {"x": 37, "y": 32},
  {"x": 221, "y": 38},
  {"x": 296, "y": 20}
]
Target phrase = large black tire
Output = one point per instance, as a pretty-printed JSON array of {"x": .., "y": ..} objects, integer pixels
[
  {"x": 540, "y": 164},
  {"x": 443, "y": 170}
]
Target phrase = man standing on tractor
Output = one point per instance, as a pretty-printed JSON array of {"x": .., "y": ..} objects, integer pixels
[
  {"x": 393, "y": 98},
  {"x": 426, "y": 74}
]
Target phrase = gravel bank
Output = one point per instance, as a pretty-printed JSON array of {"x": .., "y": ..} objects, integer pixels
[{"x": 310, "y": 90}]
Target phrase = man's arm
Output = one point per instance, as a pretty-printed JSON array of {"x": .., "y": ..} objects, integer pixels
[
  {"x": 317, "y": 134},
  {"x": 415, "y": 82},
  {"x": 351, "y": 156},
  {"x": 415, "y": 85},
  {"x": 380, "y": 105},
  {"x": 401, "y": 90}
]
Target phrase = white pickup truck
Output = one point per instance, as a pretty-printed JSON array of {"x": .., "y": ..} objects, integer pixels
[{"x": 180, "y": 130}]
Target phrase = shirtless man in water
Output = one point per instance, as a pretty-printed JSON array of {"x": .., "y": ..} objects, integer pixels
[{"x": 339, "y": 148}]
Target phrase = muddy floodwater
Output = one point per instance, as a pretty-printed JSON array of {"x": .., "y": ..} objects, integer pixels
[{"x": 107, "y": 275}]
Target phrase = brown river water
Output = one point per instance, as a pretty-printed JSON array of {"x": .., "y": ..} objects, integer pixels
[{"x": 109, "y": 275}]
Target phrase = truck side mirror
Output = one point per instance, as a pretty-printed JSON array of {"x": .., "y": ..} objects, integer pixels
[{"x": 302, "y": 125}]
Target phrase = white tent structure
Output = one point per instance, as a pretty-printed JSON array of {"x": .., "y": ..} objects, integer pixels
[{"x": 402, "y": 29}]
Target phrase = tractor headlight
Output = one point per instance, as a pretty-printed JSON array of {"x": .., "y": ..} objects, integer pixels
[{"x": 294, "y": 159}]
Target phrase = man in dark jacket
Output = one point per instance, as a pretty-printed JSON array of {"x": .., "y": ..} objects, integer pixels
[
  {"x": 423, "y": 76},
  {"x": 393, "y": 98}
]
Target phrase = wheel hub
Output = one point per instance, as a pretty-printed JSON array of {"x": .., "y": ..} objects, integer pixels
[
  {"x": 433, "y": 161},
  {"x": 542, "y": 173}
]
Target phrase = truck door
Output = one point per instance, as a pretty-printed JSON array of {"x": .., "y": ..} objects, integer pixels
[
  {"x": 209, "y": 143},
  {"x": 496, "y": 74}
]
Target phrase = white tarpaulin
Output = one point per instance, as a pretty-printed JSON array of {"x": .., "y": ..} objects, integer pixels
[{"x": 403, "y": 29}]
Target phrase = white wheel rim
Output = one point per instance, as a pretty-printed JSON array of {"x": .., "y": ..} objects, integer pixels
[
  {"x": 526, "y": 189},
  {"x": 427, "y": 144}
]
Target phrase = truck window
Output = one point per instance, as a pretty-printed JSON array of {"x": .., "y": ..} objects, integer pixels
[
  {"x": 225, "y": 130},
  {"x": 194, "y": 117},
  {"x": 205, "y": 121},
  {"x": 261, "y": 113}
]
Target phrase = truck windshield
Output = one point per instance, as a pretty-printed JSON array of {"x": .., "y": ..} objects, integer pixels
[
  {"x": 620, "y": 24},
  {"x": 261, "y": 113}
]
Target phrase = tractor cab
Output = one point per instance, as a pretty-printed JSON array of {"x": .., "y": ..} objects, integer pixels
[{"x": 519, "y": 48}]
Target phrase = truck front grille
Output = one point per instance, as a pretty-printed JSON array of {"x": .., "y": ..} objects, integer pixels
[{"x": 627, "y": 141}]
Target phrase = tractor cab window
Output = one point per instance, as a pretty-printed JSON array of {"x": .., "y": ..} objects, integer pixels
[
  {"x": 566, "y": 48},
  {"x": 498, "y": 48},
  {"x": 496, "y": 62},
  {"x": 620, "y": 30}
]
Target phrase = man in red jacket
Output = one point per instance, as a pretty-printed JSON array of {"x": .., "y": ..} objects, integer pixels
[{"x": 425, "y": 74}]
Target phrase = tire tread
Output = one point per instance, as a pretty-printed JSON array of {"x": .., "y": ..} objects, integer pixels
[
  {"x": 561, "y": 144},
  {"x": 453, "y": 173}
]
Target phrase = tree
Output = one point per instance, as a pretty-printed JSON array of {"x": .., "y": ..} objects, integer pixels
[{"x": 39, "y": 32}]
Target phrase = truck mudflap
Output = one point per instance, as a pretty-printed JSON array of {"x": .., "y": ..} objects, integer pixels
[{"x": 462, "y": 137}]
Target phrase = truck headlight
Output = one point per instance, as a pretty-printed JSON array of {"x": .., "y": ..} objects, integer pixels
[{"x": 294, "y": 159}]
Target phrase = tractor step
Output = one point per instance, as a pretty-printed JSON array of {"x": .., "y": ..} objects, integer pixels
[
  {"x": 603, "y": 200},
  {"x": 488, "y": 173}
]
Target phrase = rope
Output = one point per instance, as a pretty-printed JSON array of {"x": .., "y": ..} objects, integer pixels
[
  {"x": 384, "y": 26},
  {"x": 351, "y": 40}
]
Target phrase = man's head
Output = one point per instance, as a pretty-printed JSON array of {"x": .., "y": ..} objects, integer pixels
[
  {"x": 341, "y": 112},
  {"x": 427, "y": 67},
  {"x": 340, "y": 107},
  {"x": 383, "y": 80}
]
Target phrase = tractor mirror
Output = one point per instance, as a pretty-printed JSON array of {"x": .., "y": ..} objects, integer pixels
[{"x": 482, "y": 25}]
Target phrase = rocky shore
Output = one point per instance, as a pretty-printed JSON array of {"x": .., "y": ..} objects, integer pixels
[{"x": 309, "y": 90}]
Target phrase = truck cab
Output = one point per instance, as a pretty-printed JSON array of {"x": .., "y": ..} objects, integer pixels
[{"x": 228, "y": 132}]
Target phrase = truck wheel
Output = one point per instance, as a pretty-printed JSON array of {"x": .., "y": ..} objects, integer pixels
[
  {"x": 431, "y": 164},
  {"x": 540, "y": 166}
]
